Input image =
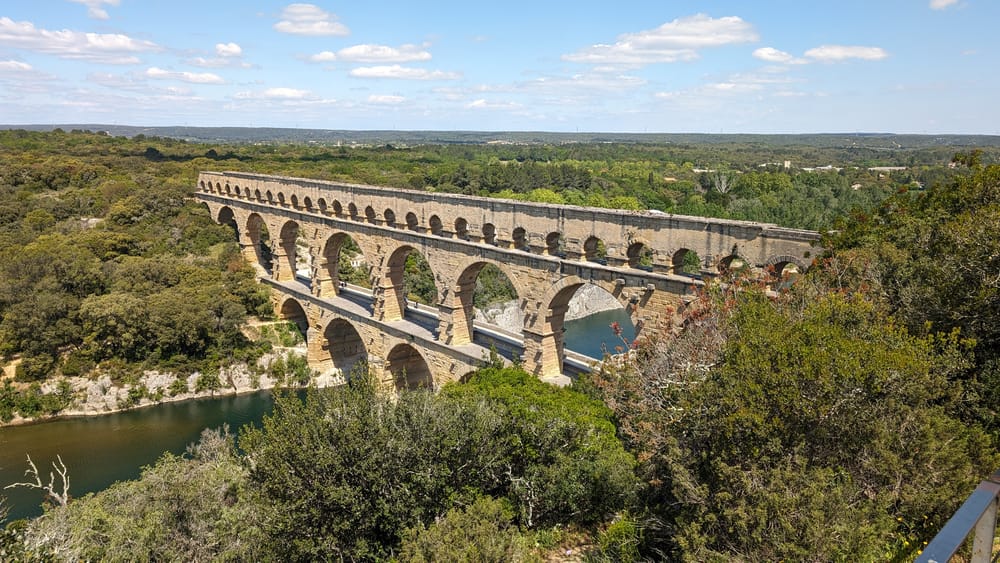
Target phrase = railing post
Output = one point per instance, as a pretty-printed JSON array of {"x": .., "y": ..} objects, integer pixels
[{"x": 982, "y": 541}]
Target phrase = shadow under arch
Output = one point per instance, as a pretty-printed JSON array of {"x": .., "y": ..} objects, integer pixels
[
  {"x": 487, "y": 287},
  {"x": 408, "y": 368},
  {"x": 343, "y": 345},
  {"x": 227, "y": 218},
  {"x": 260, "y": 241},
  {"x": 293, "y": 311}
]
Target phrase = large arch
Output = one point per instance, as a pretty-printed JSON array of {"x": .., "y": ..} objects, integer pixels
[
  {"x": 398, "y": 286},
  {"x": 408, "y": 369},
  {"x": 329, "y": 275},
  {"x": 461, "y": 300},
  {"x": 291, "y": 310},
  {"x": 260, "y": 243},
  {"x": 228, "y": 218},
  {"x": 344, "y": 346}
]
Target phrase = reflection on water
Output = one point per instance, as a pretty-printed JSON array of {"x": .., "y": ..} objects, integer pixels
[
  {"x": 101, "y": 450},
  {"x": 592, "y": 335}
]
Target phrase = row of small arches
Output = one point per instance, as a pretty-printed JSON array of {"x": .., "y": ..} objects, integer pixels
[{"x": 637, "y": 254}]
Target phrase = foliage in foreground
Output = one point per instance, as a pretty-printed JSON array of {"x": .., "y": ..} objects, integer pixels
[
  {"x": 349, "y": 473},
  {"x": 819, "y": 429}
]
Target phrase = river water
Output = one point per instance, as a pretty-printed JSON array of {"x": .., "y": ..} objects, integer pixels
[{"x": 100, "y": 450}]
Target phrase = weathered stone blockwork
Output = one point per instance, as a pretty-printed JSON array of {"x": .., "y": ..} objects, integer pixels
[{"x": 547, "y": 251}]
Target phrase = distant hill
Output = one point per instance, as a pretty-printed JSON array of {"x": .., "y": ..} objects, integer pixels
[{"x": 886, "y": 141}]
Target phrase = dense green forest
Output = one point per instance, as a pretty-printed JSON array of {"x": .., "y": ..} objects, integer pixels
[{"x": 844, "y": 418}]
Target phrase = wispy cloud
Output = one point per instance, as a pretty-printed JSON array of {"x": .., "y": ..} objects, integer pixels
[
  {"x": 191, "y": 77},
  {"x": 386, "y": 99},
  {"x": 226, "y": 55},
  {"x": 403, "y": 73},
  {"x": 14, "y": 66},
  {"x": 368, "y": 53},
  {"x": 835, "y": 53},
  {"x": 94, "y": 7},
  {"x": 678, "y": 40},
  {"x": 942, "y": 4},
  {"x": 110, "y": 48},
  {"x": 309, "y": 19},
  {"x": 772, "y": 55}
]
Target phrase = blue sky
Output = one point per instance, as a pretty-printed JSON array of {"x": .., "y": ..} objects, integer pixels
[{"x": 903, "y": 66}]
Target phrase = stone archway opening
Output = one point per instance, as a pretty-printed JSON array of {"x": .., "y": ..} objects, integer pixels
[
  {"x": 555, "y": 245},
  {"x": 490, "y": 234},
  {"x": 686, "y": 262},
  {"x": 370, "y": 215},
  {"x": 411, "y": 290},
  {"x": 407, "y": 369},
  {"x": 260, "y": 240},
  {"x": 228, "y": 219},
  {"x": 640, "y": 256},
  {"x": 345, "y": 348},
  {"x": 461, "y": 229},
  {"x": 390, "y": 218},
  {"x": 486, "y": 309},
  {"x": 520, "y": 239},
  {"x": 594, "y": 250},
  {"x": 341, "y": 263},
  {"x": 412, "y": 223},
  {"x": 292, "y": 311},
  {"x": 733, "y": 265},
  {"x": 782, "y": 275},
  {"x": 436, "y": 226}
]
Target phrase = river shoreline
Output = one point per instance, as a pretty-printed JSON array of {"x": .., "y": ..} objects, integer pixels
[{"x": 100, "y": 396}]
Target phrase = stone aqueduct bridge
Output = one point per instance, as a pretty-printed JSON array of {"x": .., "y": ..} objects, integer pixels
[{"x": 547, "y": 252}]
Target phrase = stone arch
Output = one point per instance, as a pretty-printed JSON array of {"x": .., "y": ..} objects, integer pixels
[
  {"x": 352, "y": 211},
  {"x": 307, "y": 203},
  {"x": 236, "y": 191},
  {"x": 341, "y": 345},
  {"x": 294, "y": 200},
  {"x": 408, "y": 368},
  {"x": 321, "y": 205},
  {"x": 370, "y": 215},
  {"x": 461, "y": 229},
  {"x": 390, "y": 217},
  {"x": 228, "y": 189},
  {"x": 519, "y": 237},
  {"x": 554, "y": 244},
  {"x": 293, "y": 311},
  {"x": 435, "y": 224},
  {"x": 394, "y": 288},
  {"x": 281, "y": 199},
  {"x": 285, "y": 263},
  {"x": 257, "y": 196},
  {"x": 260, "y": 243},
  {"x": 218, "y": 188},
  {"x": 201, "y": 186},
  {"x": 461, "y": 300},
  {"x": 269, "y": 197},
  {"x": 594, "y": 250},
  {"x": 328, "y": 273},
  {"x": 490, "y": 234},
  {"x": 780, "y": 262},
  {"x": 732, "y": 264},
  {"x": 338, "y": 209},
  {"x": 228, "y": 218},
  {"x": 640, "y": 256},
  {"x": 686, "y": 262},
  {"x": 412, "y": 223}
]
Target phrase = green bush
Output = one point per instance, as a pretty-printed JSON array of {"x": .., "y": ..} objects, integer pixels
[{"x": 483, "y": 531}]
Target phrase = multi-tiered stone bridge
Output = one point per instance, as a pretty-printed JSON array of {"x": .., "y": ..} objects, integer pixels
[{"x": 547, "y": 251}]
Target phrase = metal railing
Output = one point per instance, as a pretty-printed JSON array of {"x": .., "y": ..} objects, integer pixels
[{"x": 976, "y": 516}]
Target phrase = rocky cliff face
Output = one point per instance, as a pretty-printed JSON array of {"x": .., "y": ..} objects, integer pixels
[{"x": 588, "y": 300}]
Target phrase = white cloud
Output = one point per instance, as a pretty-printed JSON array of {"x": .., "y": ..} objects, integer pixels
[
  {"x": 110, "y": 48},
  {"x": 94, "y": 8},
  {"x": 484, "y": 104},
  {"x": 942, "y": 4},
  {"x": 834, "y": 53},
  {"x": 15, "y": 66},
  {"x": 192, "y": 77},
  {"x": 678, "y": 40},
  {"x": 403, "y": 73},
  {"x": 309, "y": 19},
  {"x": 228, "y": 50},
  {"x": 286, "y": 94},
  {"x": 385, "y": 99},
  {"x": 772, "y": 55},
  {"x": 368, "y": 53}
]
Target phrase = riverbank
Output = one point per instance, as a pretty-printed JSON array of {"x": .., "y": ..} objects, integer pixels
[
  {"x": 588, "y": 300},
  {"x": 101, "y": 395}
]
